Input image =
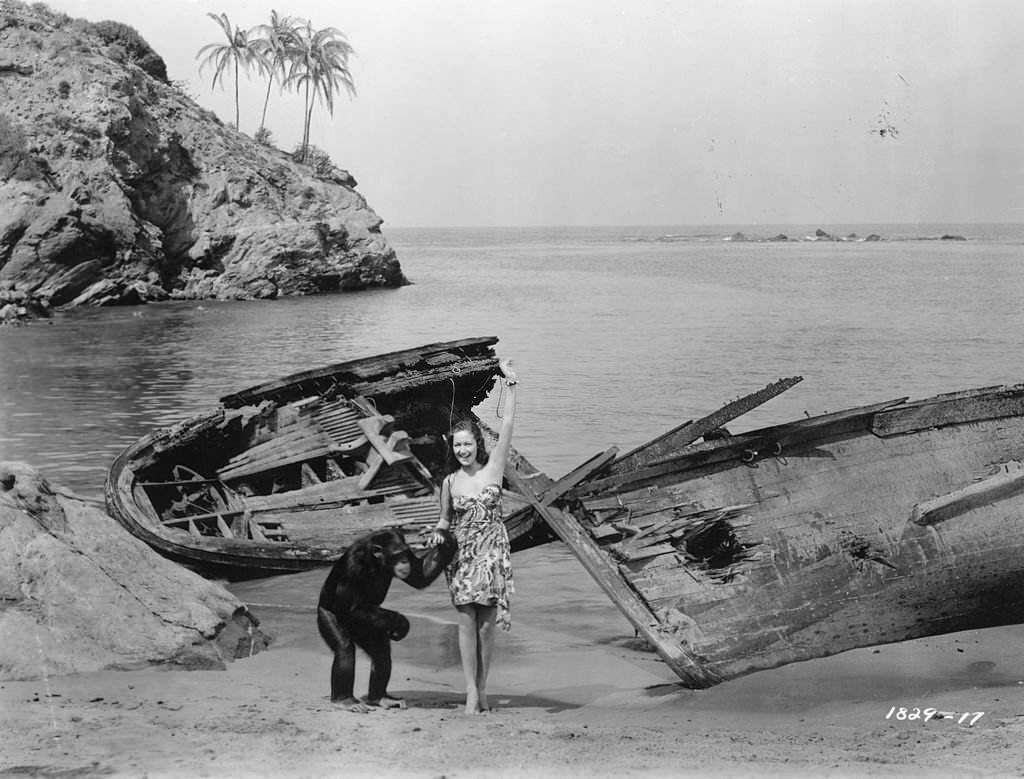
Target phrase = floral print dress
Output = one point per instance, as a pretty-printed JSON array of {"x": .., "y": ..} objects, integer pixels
[{"x": 482, "y": 569}]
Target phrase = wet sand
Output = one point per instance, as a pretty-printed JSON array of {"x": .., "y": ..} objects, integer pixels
[{"x": 575, "y": 710}]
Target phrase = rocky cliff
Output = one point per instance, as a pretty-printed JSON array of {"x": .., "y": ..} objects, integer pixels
[{"x": 116, "y": 187}]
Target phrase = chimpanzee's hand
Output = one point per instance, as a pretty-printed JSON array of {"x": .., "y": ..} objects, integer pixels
[
  {"x": 399, "y": 627},
  {"x": 436, "y": 538}
]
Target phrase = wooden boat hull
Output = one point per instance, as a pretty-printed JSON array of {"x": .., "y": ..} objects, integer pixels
[
  {"x": 284, "y": 476},
  {"x": 872, "y": 525}
]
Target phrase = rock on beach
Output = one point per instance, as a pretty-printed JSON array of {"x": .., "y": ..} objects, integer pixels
[{"x": 78, "y": 593}]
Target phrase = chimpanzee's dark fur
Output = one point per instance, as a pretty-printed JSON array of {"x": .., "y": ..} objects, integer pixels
[{"x": 349, "y": 612}]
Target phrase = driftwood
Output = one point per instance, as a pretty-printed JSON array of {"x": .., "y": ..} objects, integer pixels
[
  {"x": 670, "y": 442},
  {"x": 605, "y": 573}
]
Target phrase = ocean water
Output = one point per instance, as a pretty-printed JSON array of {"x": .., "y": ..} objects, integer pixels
[{"x": 617, "y": 334}]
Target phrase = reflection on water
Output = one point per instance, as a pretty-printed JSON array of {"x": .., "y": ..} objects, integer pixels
[{"x": 615, "y": 341}]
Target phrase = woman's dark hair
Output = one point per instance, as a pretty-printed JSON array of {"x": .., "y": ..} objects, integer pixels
[{"x": 471, "y": 427}]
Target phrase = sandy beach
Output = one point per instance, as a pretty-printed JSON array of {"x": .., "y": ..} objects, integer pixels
[
  {"x": 658, "y": 208},
  {"x": 584, "y": 711}
]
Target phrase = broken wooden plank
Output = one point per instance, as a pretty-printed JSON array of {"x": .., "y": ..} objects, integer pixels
[
  {"x": 291, "y": 439},
  {"x": 390, "y": 448},
  {"x": 657, "y": 550},
  {"x": 921, "y": 416},
  {"x": 578, "y": 474},
  {"x": 635, "y": 504},
  {"x": 338, "y": 528},
  {"x": 375, "y": 375},
  {"x": 307, "y": 476},
  {"x": 255, "y": 530},
  {"x": 1009, "y": 481},
  {"x": 229, "y": 474},
  {"x": 199, "y": 517},
  {"x": 605, "y": 532},
  {"x": 689, "y": 432},
  {"x": 373, "y": 464},
  {"x": 776, "y": 440},
  {"x": 610, "y": 579},
  {"x": 224, "y": 528},
  {"x": 341, "y": 424},
  {"x": 346, "y": 490},
  {"x": 678, "y": 526},
  {"x": 178, "y": 483}
]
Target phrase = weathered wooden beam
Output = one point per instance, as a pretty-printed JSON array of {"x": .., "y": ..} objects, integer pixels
[
  {"x": 194, "y": 517},
  {"x": 782, "y": 437},
  {"x": 382, "y": 366},
  {"x": 224, "y": 527},
  {"x": 687, "y": 433},
  {"x": 922, "y": 416},
  {"x": 328, "y": 492},
  {"x": 597, "y": 564},
  {"x": 305, "y": 433},
  {"x": 178, "y": 483},
  {"x": 411, "y": 381},
  {"x": 578, "y": 474},
  {"x": 390, "y": 448},
  {"x": 248, "y": 469},
  {"x": 1005, "y": 484}
]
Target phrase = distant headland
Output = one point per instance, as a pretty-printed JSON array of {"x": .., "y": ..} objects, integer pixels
[{"x": 117, "y": 188}]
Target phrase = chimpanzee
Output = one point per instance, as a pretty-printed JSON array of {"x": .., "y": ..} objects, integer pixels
[{"x": 349, "y": 612}]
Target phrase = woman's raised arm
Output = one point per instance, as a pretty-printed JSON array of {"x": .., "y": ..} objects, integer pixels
[{"x": 499, "y": 455}]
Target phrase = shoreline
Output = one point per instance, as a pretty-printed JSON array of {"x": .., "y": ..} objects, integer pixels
[{"x": 571, "y": 711}]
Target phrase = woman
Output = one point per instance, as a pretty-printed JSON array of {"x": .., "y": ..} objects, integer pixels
[{"x": 480, "y": 576}]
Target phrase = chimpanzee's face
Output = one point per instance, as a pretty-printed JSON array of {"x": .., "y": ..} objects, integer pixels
[{"x": 401, "y": 568}]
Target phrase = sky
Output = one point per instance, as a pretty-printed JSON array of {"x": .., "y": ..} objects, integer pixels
[{"x": 646, "y": 112}]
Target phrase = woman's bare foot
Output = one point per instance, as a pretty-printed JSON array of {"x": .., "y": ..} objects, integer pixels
[
  {"x": 388, "y": 702},
  {"x": 472, "y": 703},
  {"x": 352, "y": 704}
]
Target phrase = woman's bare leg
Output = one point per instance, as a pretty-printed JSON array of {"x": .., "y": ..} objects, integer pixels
[
  {"x": 485, "y": 619},
  {"x": 469, "y": 652}
]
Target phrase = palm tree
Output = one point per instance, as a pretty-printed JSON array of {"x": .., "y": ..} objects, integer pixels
[
  {"x": 273, "y": 46},
  {"x": 238, "y": 51},
  {"x": 319, "y": 65}
]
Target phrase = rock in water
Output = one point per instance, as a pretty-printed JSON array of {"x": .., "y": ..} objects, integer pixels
[{"x": 79, "y": 593}]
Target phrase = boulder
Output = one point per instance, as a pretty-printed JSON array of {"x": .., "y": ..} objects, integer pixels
[
  {"x": 79, "y": 593},
  {"x": 18, "y": 307}
]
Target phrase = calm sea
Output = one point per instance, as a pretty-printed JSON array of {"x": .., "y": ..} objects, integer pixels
[{"x": 617, "y": 334}]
